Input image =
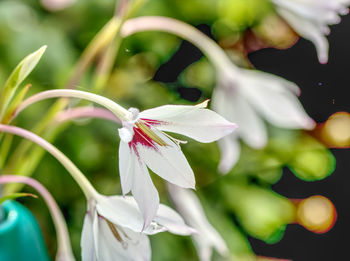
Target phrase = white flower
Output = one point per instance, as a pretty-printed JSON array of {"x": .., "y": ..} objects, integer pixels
[
  {"x": 207, "y": 238},
  {"x": 143, "y": 143},
  {"x": 243, "y": 96},
  {"x": 310, "y": 19},
  {"x": 113, "y": 226}
]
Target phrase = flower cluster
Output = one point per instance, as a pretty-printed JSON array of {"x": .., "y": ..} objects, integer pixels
[
  {"x": 310, "y": 19},
  {"x": 118, "y": 227}
]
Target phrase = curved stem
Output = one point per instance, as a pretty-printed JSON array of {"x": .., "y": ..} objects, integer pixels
[
  {"x": 78, "y": 176},
  {"x": 64, "y": 250},
  {"x": 119, "y": 111},
  {"x": 86, "y": 112},
  {"x": 158, "y": 23}
]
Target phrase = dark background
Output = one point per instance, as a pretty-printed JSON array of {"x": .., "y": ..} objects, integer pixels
[{"x": 324, "y": 92}]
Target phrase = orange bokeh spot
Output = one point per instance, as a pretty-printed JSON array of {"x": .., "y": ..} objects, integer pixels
[
  {"x": 317, "y": 214},
  {"x": 336, "y": 130}
]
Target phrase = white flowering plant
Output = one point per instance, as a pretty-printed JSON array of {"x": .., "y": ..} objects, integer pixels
[{"x": 158, "y": 140}]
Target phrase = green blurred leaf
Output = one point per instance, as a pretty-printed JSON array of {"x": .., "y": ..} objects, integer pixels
[
  {"x": 262, "y": 213},
  {"x": 15, "y": 103},
  {"x": 17, "y": 77},
  {"x": 242, "y": 14},
  {"x": 311, "y": 161},
  {"x": 236, "y": 241}
]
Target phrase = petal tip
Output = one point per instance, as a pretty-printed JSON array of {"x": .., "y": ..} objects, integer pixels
[
  {"x": 203, "y": 104},
  {"x": 310, "y": 124},
  {"x": 323, "y": 58},
  {"x": 233, "y": 126}
]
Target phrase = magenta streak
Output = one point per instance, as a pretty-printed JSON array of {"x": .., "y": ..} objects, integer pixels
[
  {"x": 153, "y": 122},
  {"x": 143, "y": 139}
]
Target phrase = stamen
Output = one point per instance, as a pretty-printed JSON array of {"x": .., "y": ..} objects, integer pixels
[
  {"x": 147, "y": 130},
  {"x": 114, "y": 230},
  {"x": 176, "y": 141}
]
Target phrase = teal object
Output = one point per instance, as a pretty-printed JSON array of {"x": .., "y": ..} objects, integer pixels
[{"x": 20, "y": 235}]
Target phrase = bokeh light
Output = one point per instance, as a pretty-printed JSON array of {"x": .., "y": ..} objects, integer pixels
[
  {"x": 336, "y": 131},
  {"x": 317, "y": 214}
]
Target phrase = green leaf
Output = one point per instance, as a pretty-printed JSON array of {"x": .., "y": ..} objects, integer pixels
[
  {"x": 18, "y": 75},
  {"x": 16, "y": 195},
  {"x": 312, "y": 161},
  {"x": 262, "y": 212},
  {"x": 14, "y": 104},
  {"x": 236, "y": 241}
]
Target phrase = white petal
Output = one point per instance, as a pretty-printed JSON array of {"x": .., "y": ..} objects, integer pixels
[
  {"x": 230, "y": 150},
  {"x": 95, "y": 231},
  {"x": 191, "y": 209},
  {"x": 122, "y": 211},
  {"x": 125, "y": 134},
  {"x": 195, "y": 122},
  {"x": 279, "y": 106},
  {"x": 168, "y": 162},
  {"x": 233, "y": 104},
  {"x": 308, "y": 30},
  {"x": 87, "y": 240},
  {"x": 162, "y": 113},
  {"x": 144, "y": 192},
  {"x": 134, "y": 175},
  {"x": 132, "y": 247},
  {"x": 172, "y": 221},
  {"x": 127, "y": 162}
]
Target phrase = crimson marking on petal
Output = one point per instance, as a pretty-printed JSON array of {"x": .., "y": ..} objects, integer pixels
[
  {"x": 153, "y": 122},
  {"x": 141, "y": 138}
]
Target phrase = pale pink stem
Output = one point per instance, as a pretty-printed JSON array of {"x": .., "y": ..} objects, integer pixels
[
  {"x": 86, "y": 112},
  {"x": 159, "y": 23},
  {"x": 79, "y": 177},
  {"x": 64, "y": 250}
]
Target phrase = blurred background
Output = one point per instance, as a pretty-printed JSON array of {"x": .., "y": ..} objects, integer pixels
[{"x": 153, "y": 69}]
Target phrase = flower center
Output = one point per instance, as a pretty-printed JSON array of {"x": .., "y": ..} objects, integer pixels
[{"x": 143, "y": 129}]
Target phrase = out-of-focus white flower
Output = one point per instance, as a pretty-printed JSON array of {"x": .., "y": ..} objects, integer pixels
[
  {"x": 56, "y": 5},
  {"x": 244, "y": 96},
  {"x": 310, "y": 19},
  {"x": 113, "y": 229},
  {"x": 207, "y": 238},
  {"x": 143, "y": 143}
]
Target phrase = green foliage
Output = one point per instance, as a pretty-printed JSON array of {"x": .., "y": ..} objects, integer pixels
[
  {"x": 261, "y": 212},
  {"x": 242, "y": 14},
  {"x": 18, "y": 75}
]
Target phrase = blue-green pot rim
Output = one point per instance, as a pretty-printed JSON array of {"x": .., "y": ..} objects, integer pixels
[{"x": 11, "y": 217}]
